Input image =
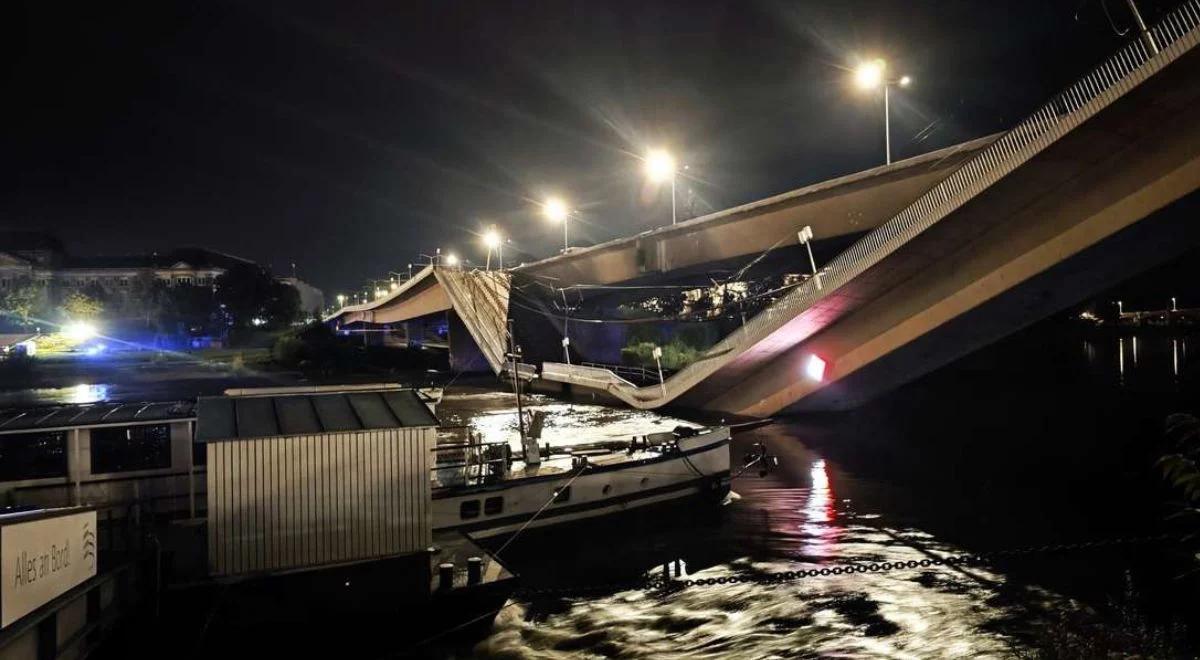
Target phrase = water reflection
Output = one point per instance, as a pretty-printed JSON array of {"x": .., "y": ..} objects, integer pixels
[
  {"x": 48, "y": 396},
  {"x": 805, "y": 515}
]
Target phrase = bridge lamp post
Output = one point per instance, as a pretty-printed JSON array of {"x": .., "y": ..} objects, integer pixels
[
  {"x": 341, "y": 298},
  {"x": 660, "y": 166},
  {"x": 556, "y": 210},
  {"x": 451, "y": 260},
  {"x": 873, "y": 75},
  {"x": 662, "y": 384},
  {"x": 805, "y": 235},
  {"x": 493, "y": 241}
]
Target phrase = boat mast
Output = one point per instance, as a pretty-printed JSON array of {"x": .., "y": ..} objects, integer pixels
[{"x": 512, "y": 354}]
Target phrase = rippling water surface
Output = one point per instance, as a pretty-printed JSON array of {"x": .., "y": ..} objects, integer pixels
[{"x": 967, "y": 461}]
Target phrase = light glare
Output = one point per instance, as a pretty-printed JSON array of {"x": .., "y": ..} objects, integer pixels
[
  {"x": 815, "y": 368},
  {"x": 869, "y": 75},
  {"x": 78, "y": 331},
  {"x": 660, "y": 166},
  {"x": 555, "y": 209},
  {"x": 491, "y": 239}
]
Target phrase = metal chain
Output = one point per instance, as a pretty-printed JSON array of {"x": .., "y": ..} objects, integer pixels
[{"x": 781, "y": 577}]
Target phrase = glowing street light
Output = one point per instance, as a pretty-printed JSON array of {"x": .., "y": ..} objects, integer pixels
[
  {"x": 556, "y": 210},
  {"x": 660, "y": 166},
  {"x": 873, "y": 75},
  {"x": 341, "y": 298},
  {"x": 493, "y": 241},
  {"x": 451, "y": 260}
]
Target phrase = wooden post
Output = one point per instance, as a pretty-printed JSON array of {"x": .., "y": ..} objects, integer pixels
[{"x": 191, "y": 470}]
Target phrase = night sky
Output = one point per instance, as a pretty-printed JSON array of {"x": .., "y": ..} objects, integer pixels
[{"x": 350, "y": 137}]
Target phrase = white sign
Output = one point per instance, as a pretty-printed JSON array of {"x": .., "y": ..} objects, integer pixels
[{"x": 42, "y": 559}]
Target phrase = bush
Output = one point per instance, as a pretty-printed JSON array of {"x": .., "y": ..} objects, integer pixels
[
  {"x": 289, "y": 351},
  {"x": 676, "y": 354}
]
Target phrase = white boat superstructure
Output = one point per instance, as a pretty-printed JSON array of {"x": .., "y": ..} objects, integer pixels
[{"x": 480, "y": 489}]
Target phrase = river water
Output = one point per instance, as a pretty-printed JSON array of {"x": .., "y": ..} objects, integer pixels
[{"x": 1047, "y": 437}]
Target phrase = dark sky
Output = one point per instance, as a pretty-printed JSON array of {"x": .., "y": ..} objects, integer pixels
[{"x": 350, "y": 136}]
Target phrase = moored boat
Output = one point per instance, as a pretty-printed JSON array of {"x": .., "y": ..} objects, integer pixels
[{"x": 479, "y": 488}]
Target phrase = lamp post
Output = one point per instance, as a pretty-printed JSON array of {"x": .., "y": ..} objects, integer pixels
[
  {"x": 872, "y": 75},
  {"x": 493, "y": 241},
  {"x": 341, "y": 298},
  {"x": 805, "y": 235},
  {"x": 556, "y": 210},
  {"x": 660, "y": 166}
]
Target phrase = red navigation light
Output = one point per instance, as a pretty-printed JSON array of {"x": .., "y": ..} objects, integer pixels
[{"x": 815, "y": 368}]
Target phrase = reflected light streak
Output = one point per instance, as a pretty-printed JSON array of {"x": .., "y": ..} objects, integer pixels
[
  {"x": 85, "y": 393},
  {"x": 1121, "y": 356},
  {"x": 1175, "y": 357},
  {"x": 819, "y": 512}
]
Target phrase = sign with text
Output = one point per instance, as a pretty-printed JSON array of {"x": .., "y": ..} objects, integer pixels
[{"x": 44, "y": 558}]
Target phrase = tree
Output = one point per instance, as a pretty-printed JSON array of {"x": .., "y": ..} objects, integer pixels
[
  {"x": 248, "y": 292},
  {"x": 147, "y": 298},
  {"x": 188, "y": 306},
  {"x": 21, "y": 299},
  {"x": 80, "y": 306}
]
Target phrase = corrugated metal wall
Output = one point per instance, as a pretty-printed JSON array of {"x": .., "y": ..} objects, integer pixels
[{"x": 293, "y": 502}]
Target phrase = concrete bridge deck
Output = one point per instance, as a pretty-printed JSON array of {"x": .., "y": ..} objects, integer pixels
[{"x": 1003, "y": 231}]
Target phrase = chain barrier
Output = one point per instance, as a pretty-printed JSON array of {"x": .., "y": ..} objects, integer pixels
[{"x": 664, "y": 584}]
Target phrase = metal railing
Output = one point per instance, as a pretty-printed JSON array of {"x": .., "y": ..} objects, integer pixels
[
  {"x": 470, "y": 463},
  {"x": 1130, "y": 66},
  {"x": 632, "y": 373}
]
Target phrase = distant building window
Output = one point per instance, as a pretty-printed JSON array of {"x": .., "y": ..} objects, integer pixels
[
  {"x": 128, "y": 448},
  {"x": 493, "y": 506},
  {"x": 468, "y": 509},
  {"x": 33, "y": 455}
]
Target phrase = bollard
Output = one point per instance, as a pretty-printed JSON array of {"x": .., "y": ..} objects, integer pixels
[
  {"x": 445, "y": 577},
  {"x": 474, "y": 570}
]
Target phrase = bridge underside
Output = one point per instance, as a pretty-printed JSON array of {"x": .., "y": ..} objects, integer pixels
[{"x": 1059, "y": 228}]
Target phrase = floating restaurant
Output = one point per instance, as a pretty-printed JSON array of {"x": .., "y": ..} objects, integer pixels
[{"x": 249, "y": 510}]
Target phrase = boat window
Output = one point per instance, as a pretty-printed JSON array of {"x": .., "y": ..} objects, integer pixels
[
  {"x": 493, "y": 505},
  {"x": 562, "y": 495},
  {"x": 468, "y": 509},
  {"x": 128, "y": 448},
  {"x": 33, "y": 455}
]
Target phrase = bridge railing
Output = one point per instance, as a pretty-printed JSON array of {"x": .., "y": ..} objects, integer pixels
[{"x": 1135, "y": 62}]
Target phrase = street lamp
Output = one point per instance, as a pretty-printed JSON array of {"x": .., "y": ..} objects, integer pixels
[
  {"x": 660, "y": 166},
  {"x": 492, "y": 241},
  {"x": 341, "y": 298},
  {"x": 872, "y": 75},
  {"x": 556, "y": 210},
  {"x": 451, "y": 260}
]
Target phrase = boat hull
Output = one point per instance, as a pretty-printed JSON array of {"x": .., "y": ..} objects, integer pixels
[{"x": 698, "y": 469}]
